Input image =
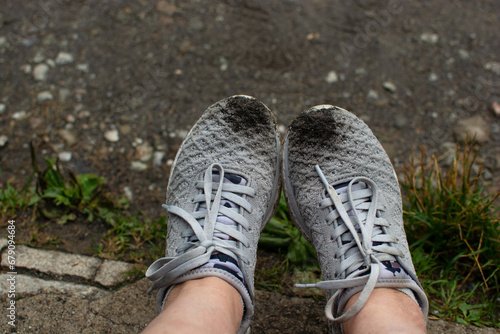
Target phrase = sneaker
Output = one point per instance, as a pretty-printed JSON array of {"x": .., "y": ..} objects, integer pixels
[
  {"x": 344, "y": 196},
  {"x": 223, "y": 188}
]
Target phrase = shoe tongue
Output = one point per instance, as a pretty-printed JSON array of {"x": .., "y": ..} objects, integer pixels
[
  {"x": 231, "y": 179},
  {"x": 392, "y": 270},
  {"x": 342, "y": 189}
]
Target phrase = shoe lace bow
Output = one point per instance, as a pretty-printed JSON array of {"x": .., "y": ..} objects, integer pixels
[
  {"x": 205, "y": 235},
  {"x": 364, "y": 242}
]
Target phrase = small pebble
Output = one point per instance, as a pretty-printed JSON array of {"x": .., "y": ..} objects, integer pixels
[
  {"x": 495, "y": 108},
  {"x": 372, "y": 95},
  {"x": 69, "y": 136},
  {"x": 360, "y": 71},
  {"x": 40, "y": 72},
  {"x": 112, "y": 136},
  {"x": 144, "y": 152},
  {"x": 18, "y": 115},
  {"x": 223, "y": 64},
  {"x": 429, "y": 38},
  {"x": 128, "y": 193},
  {"x": 464, "y": 54},
  {"x": 65, "y": 156},
  {"x": 2, "y": 108},
  {"x": 44, "y": 96},
  {"x": 125, "y": 129},
  {"x": 493, "y": 66},
  {"x": 474, "y": 126},
  {"x": 64, "y": 58},
  {"x": 84, "y": 114},
  {"x": 158, "y": 158},
  {"x": 389, "y": 86},
  {"x": 332, "y": 77},
  {"x": 26, "y": 68},
  {"x": 138, "y": 166},
  {"x": 39, "y": 57},
  {"x": 64, "y": 94},
  {"x": 3, "y": 140},
  {"x": 83, "y": 67}
]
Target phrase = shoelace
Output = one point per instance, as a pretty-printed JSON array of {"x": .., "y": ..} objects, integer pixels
[
  {"x": 364, "y": 243},
  {"x": 205, "y": 235}
]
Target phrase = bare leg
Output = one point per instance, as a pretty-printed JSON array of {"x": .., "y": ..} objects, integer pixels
[
  {"x": 206, "y": 305},
  {"x": 386, "y": 311}
]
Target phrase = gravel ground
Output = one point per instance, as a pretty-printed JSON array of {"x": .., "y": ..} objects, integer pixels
[{"x": 112, "y": 87}]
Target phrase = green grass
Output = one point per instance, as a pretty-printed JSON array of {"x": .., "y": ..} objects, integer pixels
[
  {"x": 11, "y": 200},
  {"x": 453, "y": 231},
  {"x": 280, "y": 234}
]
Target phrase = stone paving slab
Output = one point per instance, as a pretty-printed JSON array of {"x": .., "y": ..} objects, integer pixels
[
  {"x": 54, "y": 262},
  {"x": 112, "y": 272},
  {"x": 3, "y": 243},
  {"x": 26, "y": 285},
  {"x": 102, "y": 271}
]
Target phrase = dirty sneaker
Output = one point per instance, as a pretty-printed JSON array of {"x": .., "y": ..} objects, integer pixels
[
  {"x": 223, "y": 188},
  {"x": 344, "y": 197}
]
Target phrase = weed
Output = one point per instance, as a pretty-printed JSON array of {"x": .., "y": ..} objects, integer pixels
[
  {"x": 454, "y": 236},
  {"x": 281, "y": 234},
  {"x": 134, "y": 237},
  {"x": 61, "y": 196},
  {"x": 272, "y": 278},
  {"x": 60, "y": 199},
  {"x": 11, "y": 200}
]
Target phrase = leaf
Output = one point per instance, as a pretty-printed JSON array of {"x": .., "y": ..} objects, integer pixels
[
  {"x": 297, "y": 253},
  {"x": 53, "y": 178},
  {"x": 88, "y": 184},
  {"x": 51, "y": 213},
  {"x": 464, "y": 307},
  {"x": 34, "y": 199},
  {"x": 273, "y": 242},
  {"x": 64, "y": 218}
]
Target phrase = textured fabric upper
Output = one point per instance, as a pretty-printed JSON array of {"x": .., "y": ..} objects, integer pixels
[
  {"x": 344, "y": 148},
  {"x": 239, "y": 134}
]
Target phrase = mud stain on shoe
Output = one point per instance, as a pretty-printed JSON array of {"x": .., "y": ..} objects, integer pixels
[
  {"x": 317, "y": 127},
  {"x": 246, "y": 115}
]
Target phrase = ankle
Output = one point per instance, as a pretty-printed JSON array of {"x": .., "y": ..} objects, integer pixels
[
  {"x": 386, "y": 311},
  {"x": 220, "y": 298}
]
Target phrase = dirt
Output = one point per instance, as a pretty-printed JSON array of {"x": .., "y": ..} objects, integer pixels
[{"x": 112, "y": 87}]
